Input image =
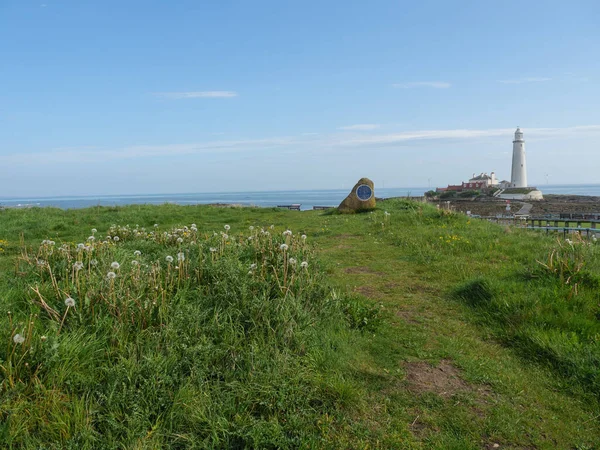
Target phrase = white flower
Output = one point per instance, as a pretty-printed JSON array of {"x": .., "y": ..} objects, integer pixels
[
  {"x": 253, "y": 266},
  {"x": 115, "y": 265},
  {"x": 116, "y": 239},
  {"x": 134, "y": 263},
  {"x": 303, "y": 237},
  {"x": 94, "y": 230},
  {"x": 155, "y": 225},
  {"x": 69, "y": 302},
  {"x": 80, "y": 246},
  {"x": 227, "y": 227},
  {"x": 111, "y": 275},
  {"x": 91, "y": 238},
  {"x": 169, "y": 259},
  {"x": 51, "y": 242},
  {"x": 18, "y": 339},
  {"x": 250, "y": 272},
  {"x": 179, "y": 240},
  {"x": 386, "y": 213},
  {"x": 283, "y": 247},
  {"x": 250, "y": 238},
  {"x": 176, "y": 267},
  {"x": 93, "y": 262},
  {"x": 41, "y": 262},
  {"x": 272, "y": 227},
  {"x": 251, "y": 228},
  {"x": 292, "y": 261},
  {"x": 287, "y": 233},
  {"x": 225, "y": 237},
  {"x": 194, "y": 228},
  {"x": 304, "y": 264},
  {"x": 78, "y": 265},
  {"x": 180, "y": 257},
  {"x": 194, "y": 225},
  {"x": 212, "y": 249}
]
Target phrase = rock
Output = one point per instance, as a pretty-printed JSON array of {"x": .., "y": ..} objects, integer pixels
[{"x": 353, "y": 203}]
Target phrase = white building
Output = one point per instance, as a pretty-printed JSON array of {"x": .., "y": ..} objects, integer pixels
[
  {"x": 518, "y": 178},
  {"x": 484, "y": 180}
]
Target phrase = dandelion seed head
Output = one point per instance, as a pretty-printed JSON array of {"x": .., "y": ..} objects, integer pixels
[
  {"x": 78, "y": 265},
  {"x": 287, "y": 233},
  {"x": 18, "y": 339},
  {"x": 94, "y": 230},
  {"x": 227, "y": 227},
  {"x": 169, "y": 259},
  {"x": 304, "y": 264},
  {"x": 180, "y": 256},
  {"x": 115, "y": 265},
  {"x": 116, "y": 239},
  {"x": 253, "y": 266},
  {"x": 251, "y": 228},
  {"x": 80, "y": 246},
  {"x": 134, "y": 263},
  {"x": 69, "y": 302},
  {"x": 111, "y": 275},
  {"x": 179, "y": 240},
  {"x": 91, "y": 238},
  {"x": 303, "y": 237},
  {"x": 155, "y": 225},
  {"x": 292, "y": 261},
  {"x": 94, "y": 262},
  {"x": 225, "y": 237},
  {"x": 137, "y": 253},
  {"x": 212, "y": 249},
  {"x": 283, "y": 247}
]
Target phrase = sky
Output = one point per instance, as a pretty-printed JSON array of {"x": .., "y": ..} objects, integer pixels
[{"x": 138, "y": 97}]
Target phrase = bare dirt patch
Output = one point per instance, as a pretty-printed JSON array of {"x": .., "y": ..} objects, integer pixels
[
  {"x": 368, "y": 291},
  {"x": 444, "y": 380},
  {"x": 362, "y": 270}
]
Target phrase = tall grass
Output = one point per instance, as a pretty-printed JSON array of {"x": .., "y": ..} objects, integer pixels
[{"x": 175, "y": 338}]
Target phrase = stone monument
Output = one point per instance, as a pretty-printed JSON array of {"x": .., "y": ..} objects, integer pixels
[{"x": 362, "y": 197}]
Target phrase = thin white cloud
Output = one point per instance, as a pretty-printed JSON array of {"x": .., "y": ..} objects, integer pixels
[
  {"x": 303, "y": 144},
  {"x": 525, "y": 80},
  {"x": 418, "y": 84},
  {"x": 198, "y": 94},
  {"x": 361, "y": 127}
]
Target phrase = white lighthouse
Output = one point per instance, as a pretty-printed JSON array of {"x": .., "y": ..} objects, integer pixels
[{"x": 518, "y": 178}]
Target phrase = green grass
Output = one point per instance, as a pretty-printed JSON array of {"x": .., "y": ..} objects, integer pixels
[{"x": 335, "y": 356}]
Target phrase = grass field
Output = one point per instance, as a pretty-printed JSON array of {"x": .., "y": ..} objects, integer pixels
[{"x": 407, "y": 327}]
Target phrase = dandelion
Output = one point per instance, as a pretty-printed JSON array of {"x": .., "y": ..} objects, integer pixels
[
  {"x": 134, "y": 263},
  {"x": 41, "y": 263},
  {"x": 179, "y": 240},
  {"x": 304, "y": 264},
  {"x": 386, "y": 213},
  {"x": 18, "y": 339},
  {"x": 303, "y": 237},
  {"x": 180, "y": 257},
  {"x": 80, "y": 246},
  {"x": 43, "y": 338},
  {"x": 115, "y": 265},
  {"x": 51, "y": 243},
  {"x": 194, "y": 228},
  {"x": 69, "y": 302},
  {"x": 193, "y": 225},
  {"x": 94, "y": 262},
  {"x": 253, "y": 266},
  {"x": 111, "y": 275},
  {"x": 272, "y": 227},
  {"x": 283, "y": 247},
  {"x": 116, "y": 239},
  {"x": 292, "y": 261},
  {"x": 137, "y": 253},
  {"x": 225, "y": 237},
  {"x": 251, "y": 228},
  {"x": 250, "y": 272},
  {"x": 212, "y": 249},
  {"x": 94, "y": 231},
  {"x": 250, "y": 238},
  {"x": 78, "y": 265},
  {"x": 287, "y": 233},
  {"x": 155, "y": 225},
  {"x": 91, "y": 238},
  {"x": 227, "y": 227},
  {"x": 169, "y": 259}
]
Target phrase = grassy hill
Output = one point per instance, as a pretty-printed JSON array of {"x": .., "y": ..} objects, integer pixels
[{"x": 407, "y": 327}]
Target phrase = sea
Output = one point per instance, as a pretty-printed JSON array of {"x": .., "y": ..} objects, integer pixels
[{"x": 307, "y": 199}]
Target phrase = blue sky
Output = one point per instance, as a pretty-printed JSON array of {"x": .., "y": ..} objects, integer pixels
[{"x": 128, "y": 97}]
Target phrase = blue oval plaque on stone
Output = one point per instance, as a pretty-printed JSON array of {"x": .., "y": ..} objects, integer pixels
[{"x": 364, "y": 192}]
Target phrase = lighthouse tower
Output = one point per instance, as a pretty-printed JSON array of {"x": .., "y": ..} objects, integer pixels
[{"x": 518, "y": 177}]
